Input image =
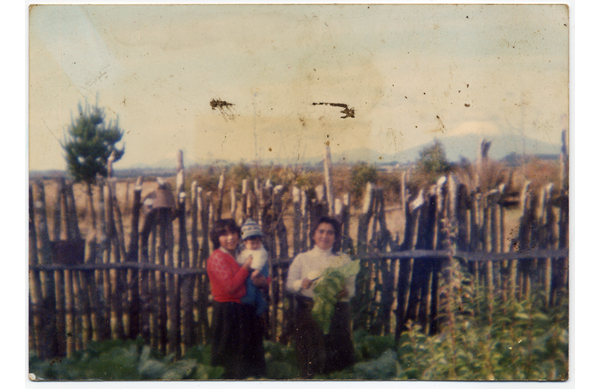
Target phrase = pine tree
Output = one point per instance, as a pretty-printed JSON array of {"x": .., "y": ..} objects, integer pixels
[
  {"x": 89, "y": 143},
  {"x": 88, "y": 146}
]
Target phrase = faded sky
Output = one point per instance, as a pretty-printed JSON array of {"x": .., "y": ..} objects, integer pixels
[{"x": 399, "y": 66}]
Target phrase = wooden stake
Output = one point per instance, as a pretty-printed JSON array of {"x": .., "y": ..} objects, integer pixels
[
  {"x": 328, "y": 181},
  {"x": 296, "y": 201}
]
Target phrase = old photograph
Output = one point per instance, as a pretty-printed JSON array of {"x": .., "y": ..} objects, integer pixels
[{"x": 357, "y": 192}]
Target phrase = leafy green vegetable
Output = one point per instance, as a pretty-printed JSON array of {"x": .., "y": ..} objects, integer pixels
[
  {"x": 123, "y": 361},
  {"x": 326, "y": 290}
]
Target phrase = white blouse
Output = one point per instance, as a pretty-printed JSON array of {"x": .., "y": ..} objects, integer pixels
[{"x": 310, "y": 265}]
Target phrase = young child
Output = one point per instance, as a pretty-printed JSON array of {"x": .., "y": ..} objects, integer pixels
[{"x": 252, "y": 238}]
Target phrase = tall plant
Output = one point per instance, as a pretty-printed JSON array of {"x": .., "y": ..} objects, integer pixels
[{"x": 89, "y": 142}]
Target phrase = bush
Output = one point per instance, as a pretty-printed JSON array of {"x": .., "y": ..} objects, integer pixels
[
  {"x": 362, "y": 173},
  {"x": 432, "y": 163}
]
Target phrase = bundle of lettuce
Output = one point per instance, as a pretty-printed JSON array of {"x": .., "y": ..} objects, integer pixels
[{"x": 329, "y": 285}]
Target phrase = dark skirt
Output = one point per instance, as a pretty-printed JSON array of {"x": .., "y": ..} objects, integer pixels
[
  {"x": 316, "y": 352},
  {"x": 237, "y": 341}
]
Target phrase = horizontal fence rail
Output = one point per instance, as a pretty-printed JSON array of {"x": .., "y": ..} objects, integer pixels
[{"x": 410, "y": 254}]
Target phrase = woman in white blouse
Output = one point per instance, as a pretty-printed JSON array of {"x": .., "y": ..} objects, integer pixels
[{"x": 316, "y": 352}]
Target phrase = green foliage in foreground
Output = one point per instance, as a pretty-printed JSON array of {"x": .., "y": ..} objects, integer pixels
[
  {"x": 526, "y": 345},
  {"x": 117, "y": 360}
]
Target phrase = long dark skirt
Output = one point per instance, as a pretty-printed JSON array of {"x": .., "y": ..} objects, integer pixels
[
  {"x": 237, "y": 341},
  {"x": 316, "y": 352}
]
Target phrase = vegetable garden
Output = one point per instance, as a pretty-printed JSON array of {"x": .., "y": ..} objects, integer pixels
[{"x": 461, "y": 296}]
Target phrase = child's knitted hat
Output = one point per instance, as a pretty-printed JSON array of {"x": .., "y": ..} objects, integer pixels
[{"x": 251, "y": 228}]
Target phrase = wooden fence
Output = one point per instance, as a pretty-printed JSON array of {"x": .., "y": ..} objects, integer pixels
[{"x": 152, "y": 283}]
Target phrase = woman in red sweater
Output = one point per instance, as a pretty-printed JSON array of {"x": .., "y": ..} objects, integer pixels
[{"x": 237, "y": 333}]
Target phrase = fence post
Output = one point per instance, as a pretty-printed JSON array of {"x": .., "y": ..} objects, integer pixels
[
  {"x": 328, "y": 181},
  {"x": 280, "y": 230},
  {"x": 297, "y": 224},
  {"x": 49, "y": 339},
  {"x": 133, "y": 256},
  {"x": 244, "y": 200},
  {"x": 526, "y": 226},
  {"x": 419, "y": 300},
  {"x": 220, "y": 192},
  {"x": 38, "y": 314},
  {"x": 492, "y": 204},
  {"x": 76, "y": 297},
  {"x": 385, "y": 271},
  {"x": 362, "y": 296},
  {"x": 304, "y": 212},
  {"x": 203, "y": 288},
  {"x": 449, "y": 205},
  {"x": 413, "y": 209},
  {"x": 115, "y": 285},
  {"x": 547, "y": 239},
  {"x": 59, "y": 275}
]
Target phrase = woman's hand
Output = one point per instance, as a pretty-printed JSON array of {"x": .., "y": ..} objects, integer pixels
[
  {"x": 259, "y": 280},
  {"x": 248, "y": 263},
  {"x": 306, "y": 283}
]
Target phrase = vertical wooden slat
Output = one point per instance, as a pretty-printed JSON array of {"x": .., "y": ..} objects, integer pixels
[
  {"x": 163, "y": 223},
  {"x": 220, "y": 192},
  {"x": 364, "y": 219},
  {"x": 347, "y": 243},
  {"x": 328, "y": 180},
  {"x": 75, "y": 233},
  {"x": 115, "y": 286},
  {"x": 61, "y": 203},
  {"x": 280, "y": 229},
  {"x": 133, "y": 256},
  {"x": 183, "y": 262},
  {"x": 362, "y": 297},
  {"x": 546, "y": 223},
  {"x": 69, "y": 313},
  {"x": 194, "y": 224},
  {"x": 562, "y": 265},
  {"x": 35, "y": 286},
  {"x": 494, "y": 211},
  {"x": 155, "y": 297},
  {"x": 304, "y": 211},
  {"x": 83, "y": 322},
  {"x": 233, "y": 207},
  {"x": 403, "y": 179},
  {"x": 297, "y": 223},
  {"x": 100, "y": 297},
  {"x": 57, "y": 218},
  {"x": 449, "y": 205},
  {"x": 385, "y": 272},
  {"x": 203, "y": 287},
  {"x": 413, "y": 209},
  {"x": 59, "y": 276},
  {"x": 244, "y": 200},
  {"x": 49, "y": 338},
  {"x": 526, "y": 226},
  {"x": 419, "y": 299}
]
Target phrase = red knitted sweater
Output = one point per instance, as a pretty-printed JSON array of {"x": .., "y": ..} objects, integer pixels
[{"x": 226, "y": 277}]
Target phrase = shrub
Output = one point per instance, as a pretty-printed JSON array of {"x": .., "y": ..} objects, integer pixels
[{"x": 362, "y": 173}]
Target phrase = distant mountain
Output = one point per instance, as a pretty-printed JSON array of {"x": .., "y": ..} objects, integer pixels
[{"x": 467, "y": 146}]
